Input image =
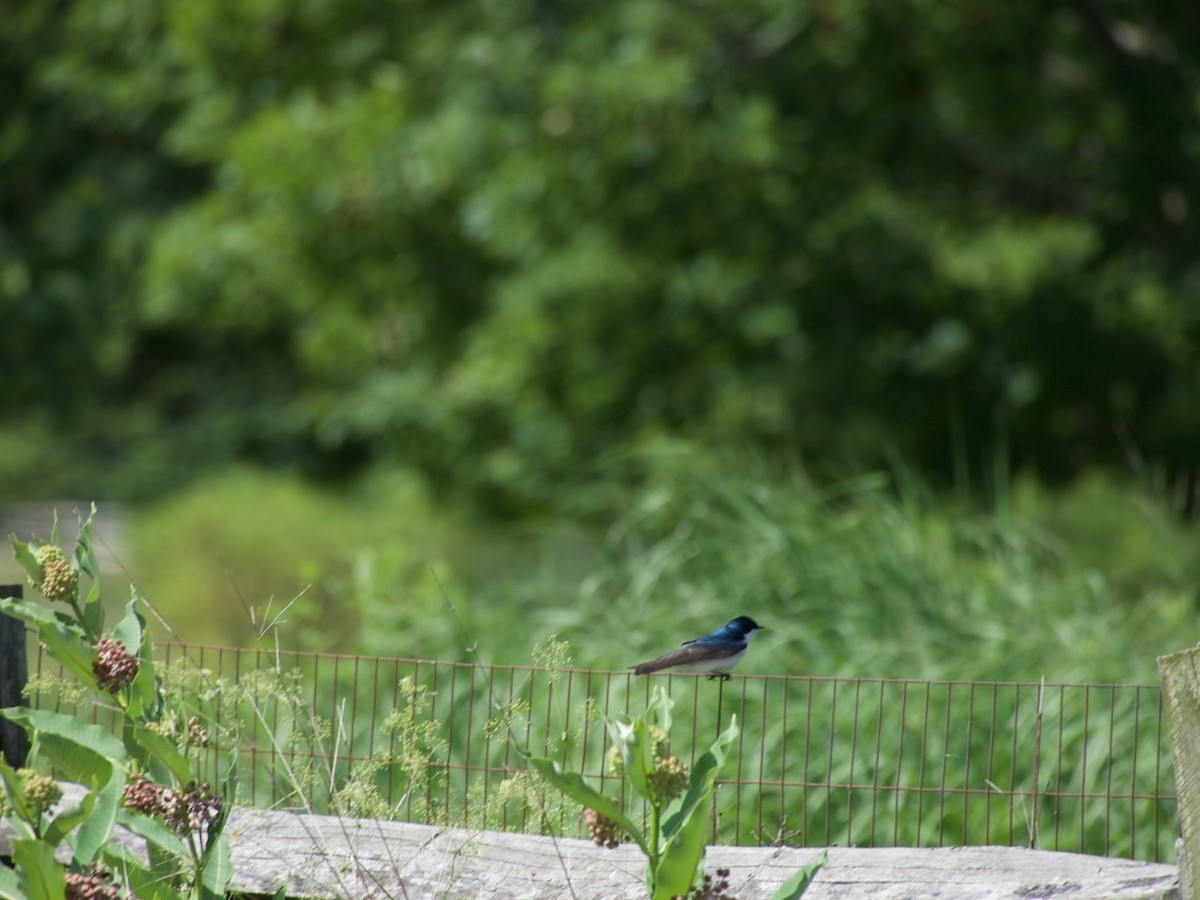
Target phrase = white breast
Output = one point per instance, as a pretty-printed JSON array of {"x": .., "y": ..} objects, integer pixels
[{"x": 713, "y": 666}]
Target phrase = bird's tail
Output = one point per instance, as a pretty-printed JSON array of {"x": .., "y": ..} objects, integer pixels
[{"x": 648, "y": 667}]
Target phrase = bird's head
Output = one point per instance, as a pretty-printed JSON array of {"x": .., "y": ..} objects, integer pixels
[{"x": 744, "y": 625}]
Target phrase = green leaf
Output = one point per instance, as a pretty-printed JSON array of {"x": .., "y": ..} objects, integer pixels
[
  {"x": 152, "y": 830},
  {"x": 798, "y": 883},
  {"x": 580, "y": 791},
  {"x": 75, "y": 760},
  {"x": 157, "y": 753},
  {"x": 680, "y": 860},
  {"x": 10, "y": 885},
  {"x": 69, "y": 816},
  {"x": 632, "y": 740},
  {"x": 218, "y": 869},
  {"x": 91, "y": 737},
  {"x": 129, "y": 630},
  {"x": 145, "y": 699},
  {"x": 59, "y": 632},
  {"x": 660, "y": 707},
  {"x": 145, "y": 883},
  {"x": 33, "y": 613},
  {"x": 701, "y": 784},
  {"x": 39, "y": 874},
  {"x": 15, "y": 792},
  {"x": 26, "y": 555},
  {"x": 96, "y": 831},
  {"x": 85, "y": 559},
  {"x": 686, "y": 825}
]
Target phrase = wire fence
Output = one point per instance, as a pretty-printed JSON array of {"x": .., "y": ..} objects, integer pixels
[{"x": 818, "y": 761}]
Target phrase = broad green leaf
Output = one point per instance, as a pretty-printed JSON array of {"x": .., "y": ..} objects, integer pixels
[
  {"x": 632, "y": 740},
  {"x": 87, "y": 735},
  {"x": 25, "y": 554},
  {"x": 85, "y": 555},
  {"x": 69, "y": 646},
  {"x": 218, "y": 869},
  {"x": 33, "y": 613},
  {"x": 660, "y": 705},
  {"x": 129, "y": 630},
  {"x": 85, "y": 559},
  {"x": 680, "y": 860},
  {"x": 145, "y": 883},
  {"x": 798, "y": 883},
  {"x": 15, "y": 793},
  {"x": 573, "y": 785},
  {"x": 10, "y": 885},
  {"x": 686, "y": 825},
  {"x": 701, "y": 783},
  {"x": 77, "y": 761},
  {"x": 69, "y": 816},
  {"x": 145, "y": 700},
  {"x": 156, "y": 752},
  {"x": 39, "y": 874},
  {"x": 154, "y": 831},
  {"x": 96, "y": 831}
]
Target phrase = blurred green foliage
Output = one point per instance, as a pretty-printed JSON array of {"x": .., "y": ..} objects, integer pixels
[
  {"x": 866, "y": 577},
  {"x": 518, "y": 244}
]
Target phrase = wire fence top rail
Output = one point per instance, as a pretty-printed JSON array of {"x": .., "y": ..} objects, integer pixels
[
  {"x": 819, "y": 760},
  {"x": 192, "y": 649}
]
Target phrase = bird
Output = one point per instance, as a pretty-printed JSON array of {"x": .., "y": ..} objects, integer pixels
[{"x": 712, "y": 655}]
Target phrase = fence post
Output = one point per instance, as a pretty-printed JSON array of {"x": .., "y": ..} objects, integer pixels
[
  {"x": 1180, "y": 673},
  {"x": 14, "y": 673}
]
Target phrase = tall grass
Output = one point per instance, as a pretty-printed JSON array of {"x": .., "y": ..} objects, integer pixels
[{"x": 862, "y": 578}]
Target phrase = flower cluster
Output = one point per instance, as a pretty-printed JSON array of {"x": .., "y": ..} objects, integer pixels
[
  {"x": 40, "y": 791},
  {"x": 59, "y": 579},
  {"x": 94, "y": 883},
  {"x": 198, "y": 735},
  {"x": 114, "y": 668},
  {"x": 714, "y": 888},
  {"x": 191, "y": 810},
  {"x": 658, "y": 746},
  {"x": 669, "y": 778},
  {"x": 142, "y": 795},
  {"x": 603, "y": 832},
  {"x": 185, "y": 812}
]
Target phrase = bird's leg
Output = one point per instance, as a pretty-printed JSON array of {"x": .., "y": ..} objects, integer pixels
[{"x": 723, "y": 676}]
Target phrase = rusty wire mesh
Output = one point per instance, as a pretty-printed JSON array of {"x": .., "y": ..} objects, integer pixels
[{"x": 819, "y": 760}]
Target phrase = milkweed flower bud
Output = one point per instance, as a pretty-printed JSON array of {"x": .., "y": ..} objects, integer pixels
[
  {"x": 94, "y": 883},
  {"x": 114, "y": 668},
  {"x": 41, "y": 791},
  {"x": 58, "y": 579},
  {"x": 604, "y": 832},
  {"x": 669, "y": 778}
]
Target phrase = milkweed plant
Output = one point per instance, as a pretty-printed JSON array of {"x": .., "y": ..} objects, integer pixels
[
  {"x": 678, "y": 800},
  {"x": 135, "y": 777}
]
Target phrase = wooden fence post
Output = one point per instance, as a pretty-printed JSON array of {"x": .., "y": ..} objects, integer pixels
[
  {"x": 14, "y": 673},
  {"x": 1180, "y": 673}
]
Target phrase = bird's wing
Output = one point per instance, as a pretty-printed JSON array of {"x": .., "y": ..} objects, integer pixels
[{"x": 690, "y": 652}]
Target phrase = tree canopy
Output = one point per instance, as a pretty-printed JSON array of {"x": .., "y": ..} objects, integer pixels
[{"x": 521, "y": 243}]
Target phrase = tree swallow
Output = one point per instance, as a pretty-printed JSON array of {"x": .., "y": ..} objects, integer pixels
[{"x": 712, "y": 655}]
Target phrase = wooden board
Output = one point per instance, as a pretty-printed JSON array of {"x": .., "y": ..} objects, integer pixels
[
  {"x": 331, "y": 857},
  {"x": 326, "y": 856},
  {"x": 1180, "y": 673}
]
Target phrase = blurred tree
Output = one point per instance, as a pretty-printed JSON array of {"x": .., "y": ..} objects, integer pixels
[{"x": 519, "y": 243}]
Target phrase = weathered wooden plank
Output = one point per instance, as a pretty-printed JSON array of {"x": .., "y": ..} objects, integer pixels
[
  {"x": 1180, "y": 673},
  {"x": 330, "y": 857}
]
